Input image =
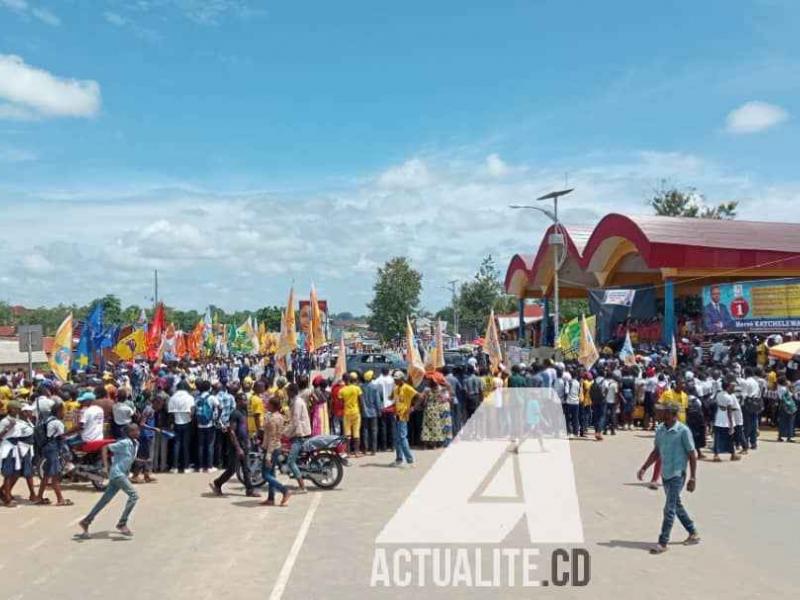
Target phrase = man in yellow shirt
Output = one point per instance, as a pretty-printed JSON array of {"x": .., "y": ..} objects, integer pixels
[
  {"x": 351, "y": 398},
  {"x": 404, "y": 396},
  {"x": 678, "y": 396},
  {"x": 255, "y": 407}
]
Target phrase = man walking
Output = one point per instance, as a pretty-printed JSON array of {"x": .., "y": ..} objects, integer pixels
[
  {"x": 123, "y": 454},
  {"x": 674, "y": 446},
  {"x": 236, "y": 445}
]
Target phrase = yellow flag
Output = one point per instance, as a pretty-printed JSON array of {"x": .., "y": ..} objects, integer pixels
[
  {"x": 341, "y": 361},
  {"x": 61, "y": 354},
  {"x": 132, "y": 345},
  {"x": 439, "y": 339},
  {"x": 317, "y": 329},
  {"x": 416, "y": 368},
  {"x": 588, "y": 354},
  {"x": 288, "y": 341},
  {"x": 491, "y": 343}
]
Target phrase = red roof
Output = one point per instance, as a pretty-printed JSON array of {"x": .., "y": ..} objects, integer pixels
[{"x": 532, "y": 311}]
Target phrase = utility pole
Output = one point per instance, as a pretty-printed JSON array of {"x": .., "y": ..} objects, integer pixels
[{"x": 452, "y": 288}]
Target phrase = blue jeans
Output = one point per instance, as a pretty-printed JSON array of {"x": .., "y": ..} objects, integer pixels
[
  {"x": 115, "y": 485},
  {"x": 205, "y": 446},
  {"x": 750, "y": 428},
  {"x": 585, "y": 415},
  {"x": 573, "y": 421},
  {"x": 599, "y": 417},
  {"x": 269, "y": 476},
  {"x": 672, "y": 507},
  {"x": 401, "y": 448},
  {"x": 291, "y": 460},
  {"x": 180, "y": 454}
]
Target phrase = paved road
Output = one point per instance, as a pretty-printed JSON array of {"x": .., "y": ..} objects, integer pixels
[{"x": 189, "y": 545}]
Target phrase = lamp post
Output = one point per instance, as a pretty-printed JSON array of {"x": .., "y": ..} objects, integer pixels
[{"x": 556, "y": 240}]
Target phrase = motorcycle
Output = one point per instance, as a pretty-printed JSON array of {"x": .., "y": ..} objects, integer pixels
[
  {"x": 321, "y": 460},
  {"x": 87, "y": 463}
]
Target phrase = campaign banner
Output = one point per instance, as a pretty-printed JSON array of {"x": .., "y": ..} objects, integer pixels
[
  {"x": 619, "y": 297},
  {"x": 752, "y": 306}
]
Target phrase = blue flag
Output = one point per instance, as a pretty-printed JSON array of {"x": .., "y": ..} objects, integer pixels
[
  {"x": 109, "y": 337},
  {"x": 83, "y": 353},
  {"x": 94, "y": 325}
]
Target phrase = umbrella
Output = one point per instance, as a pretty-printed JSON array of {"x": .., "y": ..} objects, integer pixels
[{"x": 788, "y": 351}]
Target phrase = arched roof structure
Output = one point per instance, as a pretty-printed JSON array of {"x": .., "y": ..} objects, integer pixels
[{"x": 629, "y": 251}]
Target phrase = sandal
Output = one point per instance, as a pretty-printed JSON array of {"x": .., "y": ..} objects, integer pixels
[
  {"x": 66, "y": 502},
  {"x": 42, "y": 501},
  {"x": 658, "y": 549}
]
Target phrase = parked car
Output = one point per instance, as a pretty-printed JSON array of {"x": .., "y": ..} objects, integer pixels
[
  {"x": 456, "y": 358},
  {"x": 375, "y": 361}
]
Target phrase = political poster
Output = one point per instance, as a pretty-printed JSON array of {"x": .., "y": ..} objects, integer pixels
[{"x": 744, "y": 306}]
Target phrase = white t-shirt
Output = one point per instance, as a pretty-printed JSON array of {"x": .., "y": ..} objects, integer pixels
[
  {"x": 123, "y": 413},
  {"x": 724, "y": 402},
  {"x": 612, "y": 388},
  {"x": 55, "y": 428},
  {"x": 180, "y": 406},
  {"x": 92, "y": 420},
  {"x": 736, "y": 412},
  {"x": 573, "y": 389},
  {"x": 43, "y": 406}
]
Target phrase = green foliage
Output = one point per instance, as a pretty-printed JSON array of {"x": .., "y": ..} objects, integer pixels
[
  {"x": 397, "y": 289},
  {"x": 672, "y": 202},
  {"x": 479, "y": 296},
  {"x": 114, "y": 314},
  {"x": 572, "y": 308}
]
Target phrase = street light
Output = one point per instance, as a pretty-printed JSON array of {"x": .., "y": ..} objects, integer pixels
[{"x": 555, "y": 239}]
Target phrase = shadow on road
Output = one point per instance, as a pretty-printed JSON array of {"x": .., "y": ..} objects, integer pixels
[
  {"x": 627, "y": 545},
  {"x": 109, "y": 536}
]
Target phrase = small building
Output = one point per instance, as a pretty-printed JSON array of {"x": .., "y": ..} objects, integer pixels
[{"x": 11, "y": 359}]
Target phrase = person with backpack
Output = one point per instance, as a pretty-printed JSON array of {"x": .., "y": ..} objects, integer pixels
[
  {"x": 53, "y": 428},
  {"x": 597, "y": 394},
  {"x": 752, "y": 407},
  {"x": 206, "y": 409},
  {"x": 787, "y": 409}
]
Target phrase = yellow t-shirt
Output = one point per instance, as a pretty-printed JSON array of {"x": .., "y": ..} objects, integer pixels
[
  {"x": 72, "y": 409},
  {"x": 679, "y": 398},
  {"x": 6, "y": 395},
  {"x": 761, "y": 354},
  {"x": 586, "y": 400},
  {"x": 772, "y": 380},
  {"x": 403, "y": 397},
  {"x": 255, "y": 406},
  {"x": 350, "y": 395}
]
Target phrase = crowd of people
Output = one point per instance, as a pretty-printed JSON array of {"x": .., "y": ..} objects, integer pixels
[{"x": 206, "y": 415}]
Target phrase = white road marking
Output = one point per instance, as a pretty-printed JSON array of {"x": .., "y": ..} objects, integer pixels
[
  {"x": 288, "y": 565},
  {"x": 36, "y": 545}
]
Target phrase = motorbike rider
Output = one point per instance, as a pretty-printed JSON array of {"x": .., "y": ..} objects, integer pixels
[{"x": 298, "y": 430}]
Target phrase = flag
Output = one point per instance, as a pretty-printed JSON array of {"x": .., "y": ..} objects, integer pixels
[
  {"x": 132, "y": 345},
  {"x": 569, "y": 336},
  {"x": 341, "y": 361},
  {"x": 587, "y": 355},
  {"x": 109, "y": 337},
  {"x": 317, "y": 327},
  {"x": 142, "y": 322},
  {"x": 154, "y": 333},
  {"x": 491, "y": 343},
  {"x": 180, "y": 344},
  {"x": 253, "y": 332},
  {"x": 673, "y": 355},
  {"x": 83, "y": 352},
  {"x": 626, "y": 353},
  {"x": 439, "y": 341},
  {"x": 288, "y": 340},
  {"x": 61, "y": 354},
  {"x": 416, "y": 368},
  {"x": 94, "y": 326}
]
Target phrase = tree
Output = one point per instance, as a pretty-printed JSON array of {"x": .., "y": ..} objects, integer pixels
[
  {"x": 270, "y": 316},
  {"x": 672, "y": 202},
  {"x": 397, "y": 289},
  {"x": 478, "y": 297}
]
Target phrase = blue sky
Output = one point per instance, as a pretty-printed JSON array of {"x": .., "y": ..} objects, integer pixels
[{"x": 239, "y": 146}]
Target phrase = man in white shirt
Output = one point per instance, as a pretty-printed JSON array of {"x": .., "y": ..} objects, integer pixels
[
  {"x": 724, "y": 425},
  {"x": 612, "y": 399},
  {"x": 572, "y": 392},
  {"x": 180, "y": 408},
  {"x": 91, "y": 419},
  {"x": 385, "y": 384}
]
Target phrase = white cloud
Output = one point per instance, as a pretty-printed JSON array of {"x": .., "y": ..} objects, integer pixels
[
  {"x": 755, "y": 116},
  {"x": 115, "y": 18},
  {"x": 412, "y": 174},
  {"x": 31, "y": 92},
  {"x": 205, "y": 243},
  {"x": 22, "y": 7},
  {"x": 496, "y": 167}
]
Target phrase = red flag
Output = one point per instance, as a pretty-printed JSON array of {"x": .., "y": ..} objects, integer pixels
[
  {"x": 180, "y": 344},
  {"x": 154, "y": 333}
]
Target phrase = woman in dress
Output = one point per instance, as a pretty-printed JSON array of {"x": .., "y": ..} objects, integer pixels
[
  {"x": 320, "y": 423},
  {"x": 437, "y": 424}
]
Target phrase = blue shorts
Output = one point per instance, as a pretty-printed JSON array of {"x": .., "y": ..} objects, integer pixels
[
  {"x": 10, "y": 468},
  {"x": 52, "y": 460}
]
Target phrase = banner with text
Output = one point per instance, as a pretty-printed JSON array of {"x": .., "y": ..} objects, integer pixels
[{"x": 752, "y": 306}]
